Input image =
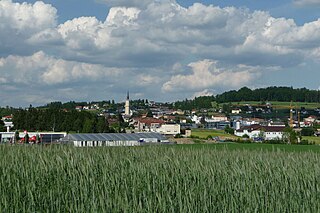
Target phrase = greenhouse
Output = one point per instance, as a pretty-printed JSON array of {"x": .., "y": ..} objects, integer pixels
[{"x": 114, "y": 139}]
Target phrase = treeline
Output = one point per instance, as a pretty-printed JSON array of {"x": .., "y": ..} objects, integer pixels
[
  {"x": 34, "y": 119},
  {"x": 203, "y": 102},
  {"x": 283, "y": 94},
  {"x": 110, "y": 104}
]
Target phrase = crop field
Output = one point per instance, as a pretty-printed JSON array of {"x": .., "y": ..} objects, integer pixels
[{"x": 158, "y": 179}]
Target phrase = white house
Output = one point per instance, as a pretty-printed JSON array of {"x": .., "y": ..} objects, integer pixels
[
  {"x": 169, "y": 129},
  {"x": 267, "y": 132}
]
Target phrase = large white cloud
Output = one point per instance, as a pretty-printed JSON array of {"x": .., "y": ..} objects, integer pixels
[
  {"x": 145, "y": 46},
  {"x": 20, "y": 21},
  {"x": 47, "y": 70},
  {"x": 164, "y": 32},
  {"x": 205, "y": 74}
]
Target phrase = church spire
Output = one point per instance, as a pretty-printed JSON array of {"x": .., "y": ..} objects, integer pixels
[{"x": 127, "y": 106}]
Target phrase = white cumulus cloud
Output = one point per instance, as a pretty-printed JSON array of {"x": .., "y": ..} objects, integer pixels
[
  {"x": 147, "y": 46},
  {"x": 206, "y": 74},
  {"x": 19, "y": 22}
]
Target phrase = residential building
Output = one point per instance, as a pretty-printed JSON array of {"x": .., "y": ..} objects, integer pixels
[
  {"x": 147, "y": 124},
  {"x": 169, "y": 129},
  {"x": 258, "y": 131}
]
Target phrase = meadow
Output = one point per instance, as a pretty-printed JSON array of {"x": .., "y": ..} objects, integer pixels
[
  {"x": 280, "y": 105},
  {"x": 178, "y": 178},
  {"x": 204, "y": 133}
]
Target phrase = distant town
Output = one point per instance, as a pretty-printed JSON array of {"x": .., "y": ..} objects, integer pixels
[{"x": 289, "y": 116}]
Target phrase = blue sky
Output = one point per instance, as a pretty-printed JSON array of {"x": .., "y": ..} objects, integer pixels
[{"x": 160, "y": 50}]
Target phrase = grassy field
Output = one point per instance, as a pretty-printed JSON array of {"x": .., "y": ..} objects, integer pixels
[
  {"x": 314, "y": 139},
  {"x": 192, "y": 178},
  {"x": 281, "y": 105},
  {"x": 204, "y": 133}
]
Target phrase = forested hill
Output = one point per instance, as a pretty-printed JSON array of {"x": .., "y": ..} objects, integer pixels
[{"x": 285, "y": 94}]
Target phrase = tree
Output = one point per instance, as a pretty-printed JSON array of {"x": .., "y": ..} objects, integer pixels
[
  {"x": 226, "y": 108},
  {"x": 149, "y": 114},
  {"x": 245, "y": 136},
  {"x": 290, "y": 136},
  {"x": 307, "y": 131},
  {"x": 229, "y": 130},
  {"x": 26, "y": 138},
  {"x": 2, "y": 128},
  {"x": 87, "y": 126},
  {"x": 16, "y": 137},
  {"x": 102, "y": 125}
]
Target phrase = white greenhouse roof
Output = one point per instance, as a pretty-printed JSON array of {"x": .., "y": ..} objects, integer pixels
[{"x": 114, "y": 136}]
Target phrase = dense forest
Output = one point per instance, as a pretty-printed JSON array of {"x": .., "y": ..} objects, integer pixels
[
  {"x": 203, "y": 102},
  {"x": 285, "y": 94},
  {"x": 33, "y": 119}
]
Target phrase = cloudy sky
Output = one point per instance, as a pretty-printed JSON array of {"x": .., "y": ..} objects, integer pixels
[{"x": 163, "y": 50}]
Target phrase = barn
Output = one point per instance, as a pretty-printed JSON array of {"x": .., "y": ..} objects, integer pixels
[{"x": 114, "y": 139}]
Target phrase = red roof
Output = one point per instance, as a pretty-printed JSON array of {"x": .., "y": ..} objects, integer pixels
[{"x": 149, "y": 121}]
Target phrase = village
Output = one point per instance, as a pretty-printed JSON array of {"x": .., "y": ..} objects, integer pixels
[{"x": 246, "y": 122}]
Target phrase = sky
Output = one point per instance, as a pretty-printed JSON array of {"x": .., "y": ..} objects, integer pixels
[{"x": 93, "y": 50}]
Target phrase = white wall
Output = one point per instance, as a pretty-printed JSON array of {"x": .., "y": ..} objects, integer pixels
[
  {"x": 169, "y": 129},
  {"x": 273, "y": 135}
]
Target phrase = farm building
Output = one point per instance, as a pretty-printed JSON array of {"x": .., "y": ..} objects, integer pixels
[{"x": 114, "y": 139}]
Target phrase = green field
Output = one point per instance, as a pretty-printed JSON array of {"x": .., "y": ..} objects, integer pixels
[
  {"x": 177, "y": 178},
  {"x": 254, "y": 147},
  {"x": 314, "y": 139},
  {"x": 280, "y": 105},
  {"x": 204, "y": 133}
]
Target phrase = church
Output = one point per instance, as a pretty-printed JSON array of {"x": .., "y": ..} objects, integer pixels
[{"x": 127, "y": 112}]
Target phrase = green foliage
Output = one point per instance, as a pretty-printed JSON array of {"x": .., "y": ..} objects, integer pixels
[
  {"x": 149, "y": 114},
  {"x": 2, "y": 127},
  {"x": 178, "y": 136},
  {"x": 204, "y": 102},
  {"x": 88, "y": 126},
  {"x": 307, "y": 131},
  {"x": 102, "y": 125},
  {"x": 16, "y": 136},
  {"x": 290, "y": 136},
  {"x": 270, "y": 94},
  {"x": 6, "y": 111},
  {"x": 35, "y": 119},
  {"x": 245, "y": 136},
  {"x": 229, "y": 130},
  {"x": 226, "y": 108},
  {"x": 26, "y": 138}
]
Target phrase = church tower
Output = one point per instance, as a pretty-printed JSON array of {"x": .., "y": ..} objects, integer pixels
[{"x": 127, "y": 106}]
